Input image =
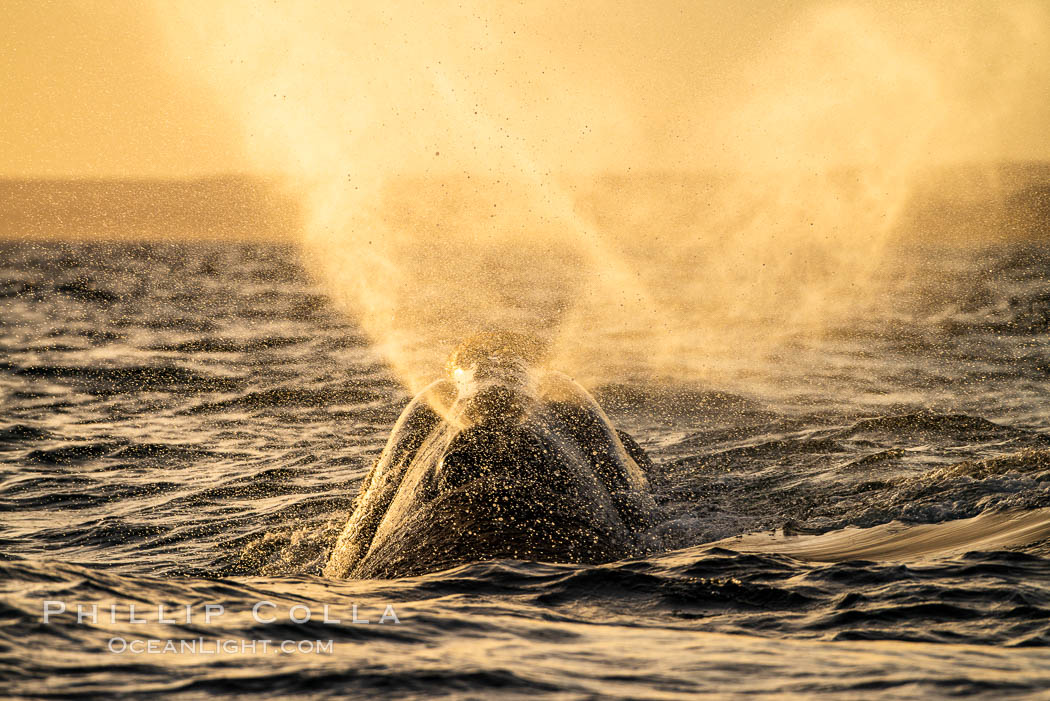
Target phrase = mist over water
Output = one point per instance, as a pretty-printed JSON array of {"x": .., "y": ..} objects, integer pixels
[
  {"x": 796, "y": 251},
  {"x": 658, "y": 192}
]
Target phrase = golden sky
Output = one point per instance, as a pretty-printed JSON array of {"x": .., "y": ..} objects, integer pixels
[
  {"x": 107, "y": 88},
  {"x": 86, "y": 92}
]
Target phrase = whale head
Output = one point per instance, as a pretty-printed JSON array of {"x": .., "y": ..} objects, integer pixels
[{"x": 519, "y": 462}]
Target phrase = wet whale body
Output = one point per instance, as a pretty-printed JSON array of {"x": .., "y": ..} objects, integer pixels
[{"x": 497, "y": 461}]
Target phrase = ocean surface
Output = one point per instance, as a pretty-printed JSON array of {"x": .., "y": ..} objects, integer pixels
[{"x": 866, "y": 516}]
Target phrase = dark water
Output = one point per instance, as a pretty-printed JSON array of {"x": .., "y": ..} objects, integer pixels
[{"x": 188, "y": 425}]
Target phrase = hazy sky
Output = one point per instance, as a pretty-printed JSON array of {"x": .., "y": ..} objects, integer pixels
[
  {"x": 85, "y": 91},
  {"x": 99, "y": 88}
]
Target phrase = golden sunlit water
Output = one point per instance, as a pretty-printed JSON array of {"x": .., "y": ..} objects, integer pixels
[{"x": 587, "y": 350}]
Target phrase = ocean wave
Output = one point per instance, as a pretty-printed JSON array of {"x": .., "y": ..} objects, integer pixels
[{"x": 192, "y": 424}]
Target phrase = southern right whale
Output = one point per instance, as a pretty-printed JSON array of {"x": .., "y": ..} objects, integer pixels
[{"x": 498, "y": 460}]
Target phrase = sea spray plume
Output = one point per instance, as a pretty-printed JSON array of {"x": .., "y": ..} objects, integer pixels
[{"x": 449, "y": 159}]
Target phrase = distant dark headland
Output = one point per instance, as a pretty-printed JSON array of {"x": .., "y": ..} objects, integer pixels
[
  {"x": 228, "y": 207},
  {"x": 967, "y": 202}
]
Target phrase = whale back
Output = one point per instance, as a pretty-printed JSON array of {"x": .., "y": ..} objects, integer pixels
[
  {"x": 549, "y": 479},
  {"x": 525, "y": 492}
]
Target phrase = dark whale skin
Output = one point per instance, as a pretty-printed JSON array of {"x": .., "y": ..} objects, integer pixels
[{"x": 556, "y": 484}]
